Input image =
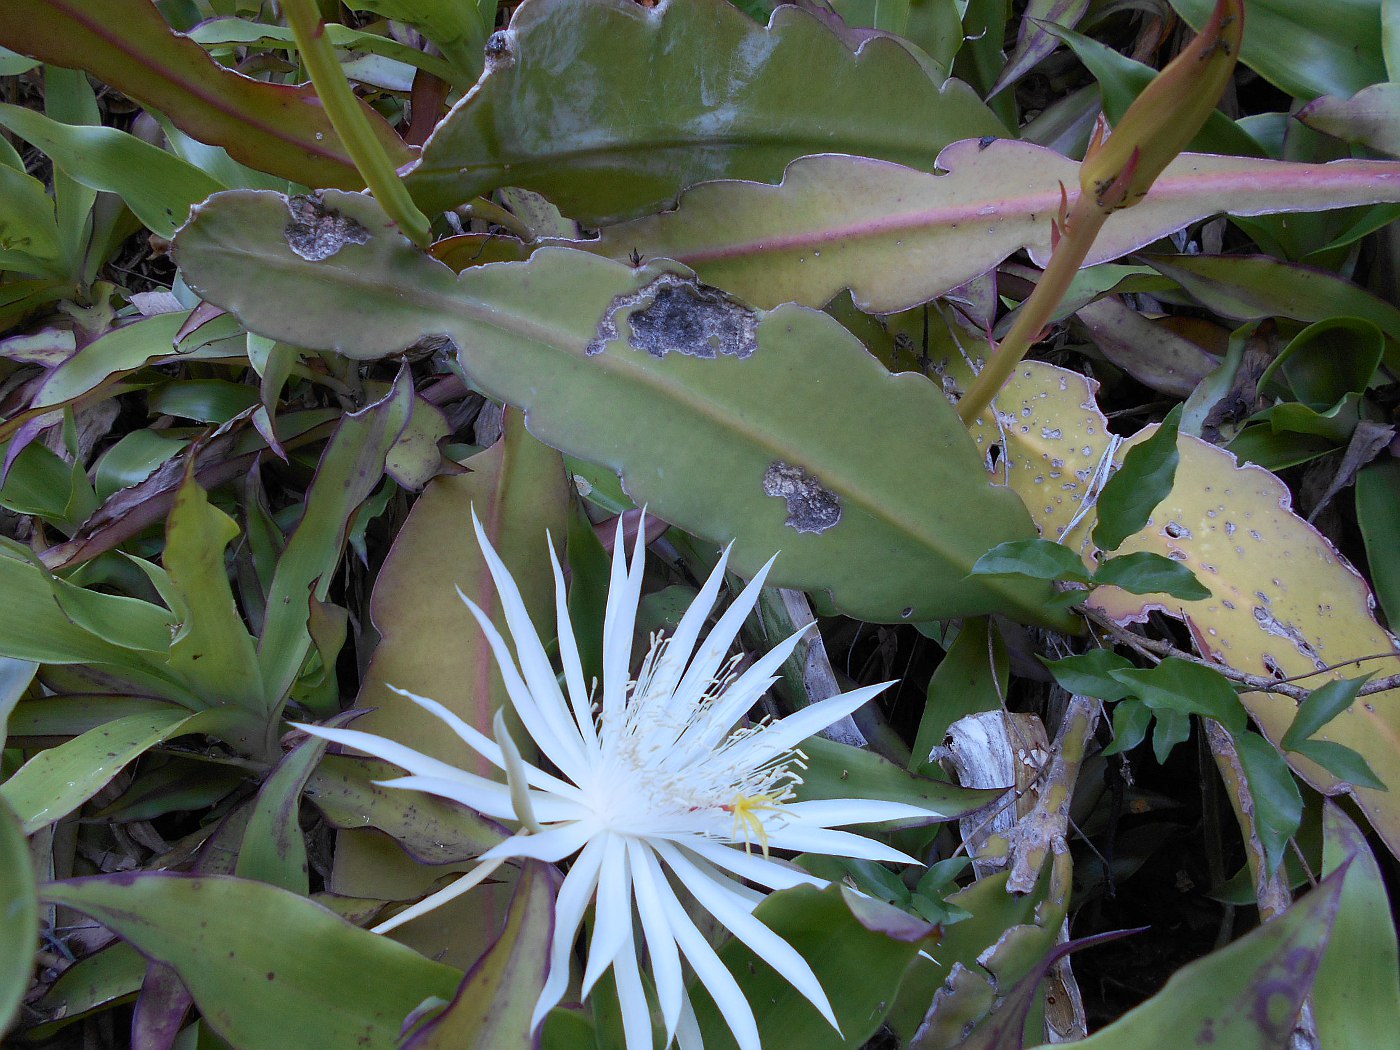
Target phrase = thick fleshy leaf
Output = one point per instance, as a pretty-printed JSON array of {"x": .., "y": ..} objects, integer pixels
[
  {"x": 1371, "y": 117},
  {"x": 126, "y": 43},
  {"x": 859, "y": 949},
  {"x": 710, "y": 419},
  {"x": 431, "y": 645},
  {"x": 496, "y": 1000},
  {"x": 1284, "y": 603},
  {"x": 1306, "y": 56},
  {"x": 610, "y": 108},
  {"x": 268, "y": 969},
  {"x": 20, "y": 909},
  {"x": 1243, "y": 997},
  {"x": 897, "y": 236}
]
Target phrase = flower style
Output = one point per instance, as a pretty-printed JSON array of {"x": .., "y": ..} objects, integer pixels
[{"x": 655, "y": 779}]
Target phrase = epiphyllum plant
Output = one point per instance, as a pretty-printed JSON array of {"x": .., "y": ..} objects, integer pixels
[{"x": 655, "y": 778}]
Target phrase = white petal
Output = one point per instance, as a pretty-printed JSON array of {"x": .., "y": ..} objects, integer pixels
[
  {"x": 713, "y": 974},
  {"x": 776, "y": 875},
  {"x": 787, "y": 733},
  {"x": 744, "y": 692},
  {"x": 632, "y": 997},
  {"x": 620, "y": 619},
  {"x": 484, "y": 746},
  {"x": 736, "y": 915},
  {"x": 834, "y": 812},
  {"x": 681, "y": 643},
  {"x": 551, "y": 844},
  {"x": 557, "y": 740},
  {"x": 802, "y": 838},
  {"x": 569, "y": 907},
  {"x": 665, "y": 959},
  {"x": 716, "y": 644},
  {"x": 390, "y": 751},
  {"x": 569, "y": 658},
  {"x": 490, "y": 798},
  {"x": 688, "y": 1031},
  {"x": 534, "y": 662},
  {"x": 612, "y": 912}
]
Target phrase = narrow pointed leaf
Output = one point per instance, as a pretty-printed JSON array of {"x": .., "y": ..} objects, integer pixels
[
  {"x": 1142, "y": 482},
  {"x": 710, "y": 416},
  {"x": 275, "y": 128},
  {"x": 20, "y": 910}
]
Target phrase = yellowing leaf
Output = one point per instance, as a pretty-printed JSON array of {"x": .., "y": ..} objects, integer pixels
[{"x": 1284, "y": 603}]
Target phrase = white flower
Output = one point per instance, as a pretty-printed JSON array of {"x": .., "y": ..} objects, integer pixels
[{"x": 655, "y": 780}]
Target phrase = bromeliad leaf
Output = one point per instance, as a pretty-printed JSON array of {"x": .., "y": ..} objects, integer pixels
[{"x": 691, "y": 376}]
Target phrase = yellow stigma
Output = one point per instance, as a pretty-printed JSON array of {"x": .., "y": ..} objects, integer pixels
[{"x": 746, "y": 810}]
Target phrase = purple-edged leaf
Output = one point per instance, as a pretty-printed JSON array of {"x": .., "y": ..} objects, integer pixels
[
  {"x": 496, "y": 1000},
  {"x": 160, "y": 1009},
  {"x": 1033, "y": 40},
  {"x": 266, "y": 968},
  {"x": 279, "y": 129},
  {"x": 898, "y": 237},
  {"x": 1371, "y": 117},
  {"x": 1245, "y": 996}
]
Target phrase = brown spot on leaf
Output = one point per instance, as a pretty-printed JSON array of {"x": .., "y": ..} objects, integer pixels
[
  {"x": 681, "y": 315},
  {"x": 811, "y": 506},
  {"x": 317, "y": 232}
]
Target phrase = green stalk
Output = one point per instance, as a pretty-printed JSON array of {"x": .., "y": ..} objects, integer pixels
[
  {"x": 1082, "y": 226},
  {"x": 350, "y": 124}
]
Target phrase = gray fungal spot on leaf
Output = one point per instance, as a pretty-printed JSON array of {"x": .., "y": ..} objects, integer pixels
[
  {"x": 675, "y": 314},
  {"x": 811, "y": 506},
  {"x": 317, "y": 232}
]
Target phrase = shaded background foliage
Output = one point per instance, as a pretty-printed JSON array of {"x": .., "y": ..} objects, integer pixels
[{"x": 735, "y": 262}]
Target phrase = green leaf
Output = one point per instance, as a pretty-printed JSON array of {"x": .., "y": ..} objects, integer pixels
[
  {"x": 106, "y": 978},
  {"x": 1092, "y": 674},
  {"x": 1172, "y": 727},
  {"x": 1243, "y": 997},
  {"x": 213, "y": 650},
  {"x": 971, "y": 678},
  {"x": 1038, "y": 559},
  {"x": 1130, "y": 721},
  {"x": 1289, "y": 46},
  {"x": 1187, "y": 688},
  {"x": 275, "y": 128},
  {"x": 160, "y": 188},
  {"x": 843, "y": 771},
  {"x": 350, "y": 469},
  {"x": 1278, "y": 805},
  {"x": 431, "y": 830},
  {"x": 57, "y": 781},
  {"x": 1378, "y": 513},
  {"x": 1329, "y": 360},
  {"x": 1357, "y": 993},
  {"x": 19, "y": 908},
  {"x": 662, "y": 84},
  {"x": 28, "y": 231},
  {"x": 892, "y": 537},
  {"x": 1323, "y": 704},
  {"x": 1143, "y": 572},
  {"x": 859, "y": 949},
  {"x": 589, "y": 565},
  {"x": 1143, "y": 481},
  {"x": 228, "y": 940},
  {"x": 495, "y": 1002},
  {"x": 274, "y": 847},
  {"x": 1341, "y": 761},
  {"x": 457, "y": 27}
]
